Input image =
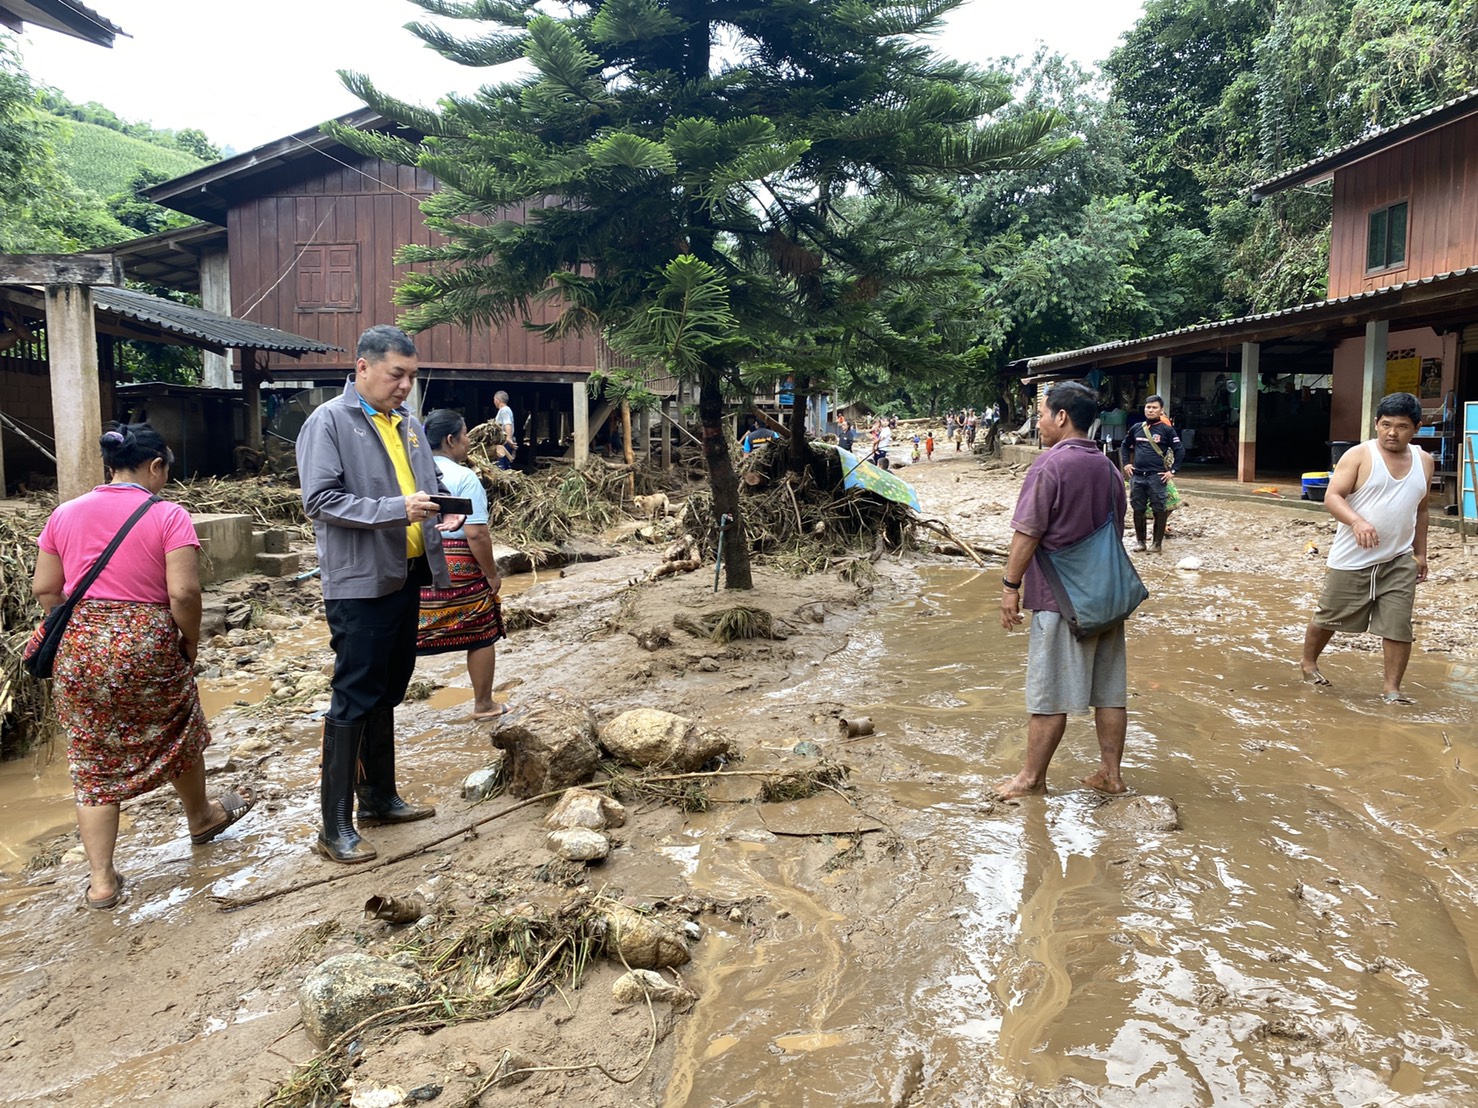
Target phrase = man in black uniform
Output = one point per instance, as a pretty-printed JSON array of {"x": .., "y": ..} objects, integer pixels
[{"x": 1152, "y": 454}]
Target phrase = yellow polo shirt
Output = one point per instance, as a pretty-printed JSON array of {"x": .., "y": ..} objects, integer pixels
[{"x": 388, "y": 424}]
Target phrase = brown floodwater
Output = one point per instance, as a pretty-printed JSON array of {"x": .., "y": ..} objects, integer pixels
[{"x": 1308, "y": 937}]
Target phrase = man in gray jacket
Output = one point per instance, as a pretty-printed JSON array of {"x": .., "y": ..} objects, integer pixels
[{"x": 365, "y": 469}]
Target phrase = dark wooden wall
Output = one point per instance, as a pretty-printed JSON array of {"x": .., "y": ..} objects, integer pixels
[
  {"x": 1437, "y": 174},
  {"x": 375, "y": 205}
]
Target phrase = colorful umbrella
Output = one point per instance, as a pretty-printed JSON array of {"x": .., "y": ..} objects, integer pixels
[{"x": 858, "y": 474}]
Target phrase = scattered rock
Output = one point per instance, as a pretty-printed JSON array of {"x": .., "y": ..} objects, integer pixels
[
  {"x": 651, "y": 738},
  {"x": 641, "y": 941},
  {"x": 708, "y": 665},
  {"x": 654, "y": 637},
  {"x": 585, "y": 808},
  {"x": 377, "y": 1096},
  {"x": 483, "y": 783},
  {"x": 1140, "y": 813},
  {"x": 514, "y": 1068},
  {"x": 634, "y": 986},
  {"x": 551, "y": 747},
  {"x": 1189, "y": 564},
  {"x": 349, "y": 988},
  {"x": 579, "y": 844}
]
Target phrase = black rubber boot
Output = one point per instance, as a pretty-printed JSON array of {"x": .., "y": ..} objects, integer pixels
[
  {"x": 339, "y": 841},
  {"x": 378, "y": 800},
  {"x": 1161, "y": 519},
  {"x": 1140, "y": 524}
]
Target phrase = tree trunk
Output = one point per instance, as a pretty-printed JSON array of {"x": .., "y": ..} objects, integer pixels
[
  {"x": 723, "y": 481},
  {"x": 626, "y": 450}
]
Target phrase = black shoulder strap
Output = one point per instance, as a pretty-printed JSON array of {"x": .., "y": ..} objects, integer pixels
[{"x": 97, "y": 566}]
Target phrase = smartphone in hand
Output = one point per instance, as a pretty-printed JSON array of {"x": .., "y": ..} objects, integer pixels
[{"x": 453, "y": 505}]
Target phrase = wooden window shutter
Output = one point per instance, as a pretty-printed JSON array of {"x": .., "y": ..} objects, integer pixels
[
  {"x": 328, "y": 278},
  {"x": 342, "y": 272},
  {"x": 310, "y": 279}
]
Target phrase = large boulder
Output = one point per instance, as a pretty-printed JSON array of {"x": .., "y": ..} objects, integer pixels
[
  {"x": 349, "y": 988},
  {"x": 653, "y": 739},
  {"x": 550, "y": 747}
]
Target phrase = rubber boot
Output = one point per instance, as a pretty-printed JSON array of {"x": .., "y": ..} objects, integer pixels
[
  {"x": 378, "y": 800},
  {"x": 1161, "y": 520},
  {"x": 1140, "y": 523},
  {"x": 339, "y": 841}
]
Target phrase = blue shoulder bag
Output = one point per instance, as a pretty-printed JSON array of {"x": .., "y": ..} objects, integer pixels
[{"x": 1093, "y": 581}]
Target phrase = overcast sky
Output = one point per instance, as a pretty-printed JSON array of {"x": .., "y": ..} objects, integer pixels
[{"x": 248, "y": 73}]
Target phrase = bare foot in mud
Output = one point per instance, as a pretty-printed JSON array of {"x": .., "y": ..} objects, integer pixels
[
  {"x": 1313, "y": 676},
  {"x": 1101, "y": 782},
  {"x": 1397, "y": 697},
  {"x": 1015, "y": 788}
]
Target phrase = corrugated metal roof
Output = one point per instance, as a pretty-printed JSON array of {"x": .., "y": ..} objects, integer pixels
[
  {"x": 182, "y": 319},
  {"x": 1413, "y": 125},
  {"x": 1045, "y": 360},
  {"x": 66, "y": 16}
]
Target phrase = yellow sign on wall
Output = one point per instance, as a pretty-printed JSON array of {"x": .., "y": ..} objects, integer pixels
[{"x": 1403, "y": 375}]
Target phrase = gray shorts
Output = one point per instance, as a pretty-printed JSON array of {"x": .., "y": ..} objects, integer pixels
[
  {"x": 1378, "y": 599},
  {"x": 1064, "y": 674}
]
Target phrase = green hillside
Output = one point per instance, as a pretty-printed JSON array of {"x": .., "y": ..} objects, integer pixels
[{"x": 104, "y": 161}]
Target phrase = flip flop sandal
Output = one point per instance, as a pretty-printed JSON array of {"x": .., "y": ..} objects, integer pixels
[
  {"x": 236, "y": 806},
  {"x": 498, "y": 712},
  {"x": 108, "y": 903}
]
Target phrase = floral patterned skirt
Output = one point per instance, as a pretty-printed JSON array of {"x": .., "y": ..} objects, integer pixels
[
  {"x": 466, "y": 616},
  {"x": 126, "y": 698}
]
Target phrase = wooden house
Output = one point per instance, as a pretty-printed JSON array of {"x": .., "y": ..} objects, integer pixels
[
  {"x": 1272, "y": 391},
  {"x": 311, "y": 231}
]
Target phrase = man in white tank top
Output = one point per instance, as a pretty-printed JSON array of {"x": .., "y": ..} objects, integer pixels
[{"x": 1378, "y": 493}]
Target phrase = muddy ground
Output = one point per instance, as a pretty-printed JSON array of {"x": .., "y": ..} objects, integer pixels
[{"x": 1307, "y": 936}]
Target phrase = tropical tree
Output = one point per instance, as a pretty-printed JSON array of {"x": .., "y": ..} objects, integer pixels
[{"x": 670, "y": 173}]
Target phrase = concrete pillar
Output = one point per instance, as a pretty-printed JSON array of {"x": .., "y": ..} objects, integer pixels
[
  {"x": 72, "y": 350},
  {"x": 581, "y": 401},
  {"x": 1163, "y": 385},
  {"x": 1373, "y": 384},
  {"x": 1247, "y": 427},
  {"x": 668, "y": 412},
  {"x": 644, "y": 433},
  {"x": 215, "y": 296}
]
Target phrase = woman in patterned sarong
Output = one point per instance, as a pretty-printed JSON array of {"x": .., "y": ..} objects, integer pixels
[
  {"x": 123, "y": 680},
  {"x": 468, "y": 615}
]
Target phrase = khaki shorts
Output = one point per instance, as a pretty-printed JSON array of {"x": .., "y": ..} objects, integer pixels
[
  {"x": 1065, "y": 674},
  {"x": 1378, "y": 600}
]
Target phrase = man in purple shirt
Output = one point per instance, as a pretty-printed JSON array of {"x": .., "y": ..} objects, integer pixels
[{"x": 1070, "y": 490}]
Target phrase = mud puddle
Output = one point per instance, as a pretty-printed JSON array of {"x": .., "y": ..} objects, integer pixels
[{"x": 1308, "y": 937}]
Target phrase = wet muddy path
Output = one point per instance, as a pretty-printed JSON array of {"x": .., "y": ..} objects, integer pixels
[{"x": 1308, "y": 937}]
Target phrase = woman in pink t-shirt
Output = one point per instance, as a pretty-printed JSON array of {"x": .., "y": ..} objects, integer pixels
[{"x": 123, "y": 681}]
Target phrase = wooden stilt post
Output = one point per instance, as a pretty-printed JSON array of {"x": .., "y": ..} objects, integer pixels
[{"x": 251, "y": 384}]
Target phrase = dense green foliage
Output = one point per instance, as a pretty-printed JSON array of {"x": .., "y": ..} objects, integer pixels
[
  {"x": 190, "y": 140},
  {"x": 72, "y": 180},
  {"x": 104, "y": 161}
]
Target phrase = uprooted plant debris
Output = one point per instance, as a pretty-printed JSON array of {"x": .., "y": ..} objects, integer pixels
[{"x": 478, "y": 964}]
